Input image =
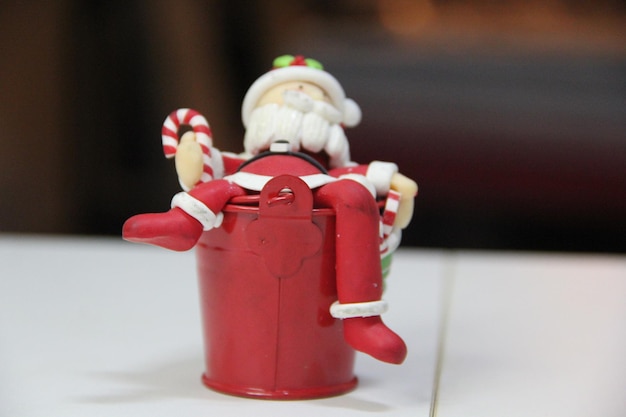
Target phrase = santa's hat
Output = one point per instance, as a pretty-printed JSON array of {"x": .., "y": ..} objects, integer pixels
[{"x": 297, "y": 68}]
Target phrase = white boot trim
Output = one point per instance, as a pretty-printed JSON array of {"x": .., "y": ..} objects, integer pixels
[
  {"x": 198, "y": 210},
  {"x": 351, "y": 310}
]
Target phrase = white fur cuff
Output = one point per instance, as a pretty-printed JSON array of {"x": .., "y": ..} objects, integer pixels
[
  {"x": 198, "y": 210},
  {"x": 351, "y": 310},
  {"x": 380, "y": 173},
  {"x": 361, "y": 179}
]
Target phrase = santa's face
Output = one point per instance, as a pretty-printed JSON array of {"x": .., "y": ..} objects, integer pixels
[{"x": 300, "y": 113}]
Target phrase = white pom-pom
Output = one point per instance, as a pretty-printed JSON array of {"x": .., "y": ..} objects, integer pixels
[{"x": 351, "y": 113}]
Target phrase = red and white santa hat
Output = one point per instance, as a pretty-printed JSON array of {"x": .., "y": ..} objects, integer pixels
[{"x": 297, "y": 68}]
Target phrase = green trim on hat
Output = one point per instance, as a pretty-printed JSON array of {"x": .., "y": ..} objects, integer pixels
[
  {"x": 288, "y": 60},
  {"x": 282, "y": 61},
  {"x": 312, "y": 63}
]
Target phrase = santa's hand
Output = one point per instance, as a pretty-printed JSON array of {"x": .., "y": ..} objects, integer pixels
[
  {"x": 408, "y": 190},
  {"x": 188, "y": 161}
]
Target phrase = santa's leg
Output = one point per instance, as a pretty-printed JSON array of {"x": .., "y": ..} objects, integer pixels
[
  {"x": 359, "y": 274},
  {"x": 180, "y": 228}
]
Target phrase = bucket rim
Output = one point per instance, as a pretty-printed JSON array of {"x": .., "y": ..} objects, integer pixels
[{"x": 249, "y": 204}]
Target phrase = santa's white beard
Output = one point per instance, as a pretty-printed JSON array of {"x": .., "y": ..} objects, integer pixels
[{"x": 307, "y": 130}]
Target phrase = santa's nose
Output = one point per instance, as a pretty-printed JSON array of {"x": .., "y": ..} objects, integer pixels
[{"x": 299, "y": 100}]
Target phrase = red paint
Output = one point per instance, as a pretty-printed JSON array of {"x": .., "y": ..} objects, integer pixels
[{"x": 298, "y": 60}]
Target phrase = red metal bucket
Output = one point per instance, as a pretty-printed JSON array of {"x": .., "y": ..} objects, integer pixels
[{"x": 267, "y": 280}]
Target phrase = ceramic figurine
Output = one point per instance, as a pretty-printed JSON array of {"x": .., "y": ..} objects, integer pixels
[{"x": 289, "y": 238}]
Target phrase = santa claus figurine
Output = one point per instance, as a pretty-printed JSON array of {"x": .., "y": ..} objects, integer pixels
[{"x": 295, "y": 116}]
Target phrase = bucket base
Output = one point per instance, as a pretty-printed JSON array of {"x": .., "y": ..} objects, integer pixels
[{"x": 281, "y": 394}]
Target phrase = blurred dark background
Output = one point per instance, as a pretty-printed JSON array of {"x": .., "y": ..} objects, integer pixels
[{"x": 511, "y": 115}]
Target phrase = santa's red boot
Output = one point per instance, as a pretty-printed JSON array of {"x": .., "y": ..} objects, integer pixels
[
  {"x": 180, "y": 228},
  {"x": 175, "y": 229},
  {"x": 359, "y": 274}
]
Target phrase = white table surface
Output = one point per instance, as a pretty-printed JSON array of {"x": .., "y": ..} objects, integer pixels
[{"x": 102, "y": 327}]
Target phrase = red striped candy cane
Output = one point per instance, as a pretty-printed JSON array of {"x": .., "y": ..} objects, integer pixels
[
  {"x": 389, "y": 240},
  {"x": 204, "y": 137},
  {"x": 389, "y": 212}
]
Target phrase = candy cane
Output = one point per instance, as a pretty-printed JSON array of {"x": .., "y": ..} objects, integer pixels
[
  {"x": 204, "y": 137},
  {"x": 390, "y": 211},
  {"x": 389, "y": 238}
]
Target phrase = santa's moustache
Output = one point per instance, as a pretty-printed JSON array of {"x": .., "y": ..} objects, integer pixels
[{"x": 306, "y": 123}]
